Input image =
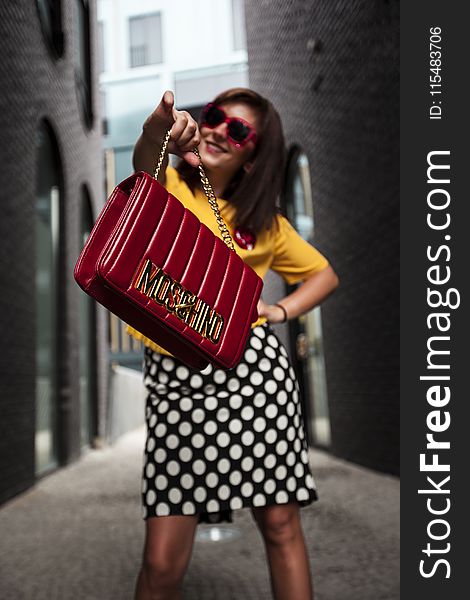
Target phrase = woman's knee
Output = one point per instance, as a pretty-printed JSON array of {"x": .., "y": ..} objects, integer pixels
[
  {"x": 161, "y": 571},
  {"x": 167, "y": 551},
  {"x": 279, "y": 524}
]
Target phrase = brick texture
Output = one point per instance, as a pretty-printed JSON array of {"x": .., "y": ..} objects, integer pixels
[
  {"x": 38, "y": 86},
  {"x": 331, "y": 69}
]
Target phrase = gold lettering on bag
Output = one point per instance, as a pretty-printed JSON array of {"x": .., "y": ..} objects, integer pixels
[{"x": 154, "y": 283}]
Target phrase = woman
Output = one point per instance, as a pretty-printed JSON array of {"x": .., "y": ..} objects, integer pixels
[{"x": 219, "y": 440}]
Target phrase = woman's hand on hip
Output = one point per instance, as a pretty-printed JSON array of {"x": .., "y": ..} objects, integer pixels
[
  {"x": 184, "y": 135},
  {"x": 273, "y": 313},
  {"x": 312, "y": 292}
]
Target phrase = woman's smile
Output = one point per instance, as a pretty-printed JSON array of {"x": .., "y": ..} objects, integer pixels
[{"x": 214, "y": 148}]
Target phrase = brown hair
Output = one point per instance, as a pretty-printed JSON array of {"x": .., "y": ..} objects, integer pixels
[{"x": 253, "y": 193}]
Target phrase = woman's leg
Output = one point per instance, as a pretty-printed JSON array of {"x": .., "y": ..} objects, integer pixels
[
  {"x": 167, "y": 551},
  {"x": 285, "y": 547}
]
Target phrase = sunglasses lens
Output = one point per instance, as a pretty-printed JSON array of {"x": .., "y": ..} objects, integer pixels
[
  {"x": 238, "y": 131},
  {"x": 213, "y": 116}
]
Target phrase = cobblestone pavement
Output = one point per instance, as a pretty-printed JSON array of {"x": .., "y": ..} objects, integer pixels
[{"x": 77, "y": 535}]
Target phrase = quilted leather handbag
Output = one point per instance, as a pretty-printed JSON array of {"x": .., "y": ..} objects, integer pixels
[{"x": 151, "y": 262}]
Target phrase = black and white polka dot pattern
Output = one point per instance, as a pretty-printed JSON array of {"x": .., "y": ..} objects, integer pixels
[{"x": 222, "y": 440}]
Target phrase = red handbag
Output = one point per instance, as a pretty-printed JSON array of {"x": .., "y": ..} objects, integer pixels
[{"x": 151, "y": 262}]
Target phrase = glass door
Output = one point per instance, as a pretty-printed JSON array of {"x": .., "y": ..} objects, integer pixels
[
  {"x": 87, "y": 342},
  {"x": 306, "y": 333},
  {"x": 46, "y": 330},
  {"x": 46, "y": 292}
]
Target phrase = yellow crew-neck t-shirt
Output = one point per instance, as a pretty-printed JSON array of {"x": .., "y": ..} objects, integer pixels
[{"x": 280, "y": 249}]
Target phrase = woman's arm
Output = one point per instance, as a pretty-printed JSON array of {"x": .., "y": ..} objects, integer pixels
[
  {"x": 183, "y": 138},
  {"x": 309, "y": 294}
]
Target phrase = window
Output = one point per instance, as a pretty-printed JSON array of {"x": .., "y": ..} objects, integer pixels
[
  {"x": 100, "y": 49},
  {"x": 300, "y": 207},
  {"x": 103, "y": 111},
  {"x": 48, "y": 192},
  {"x": 238, "y": 23},
  {"x": 145, "y": 35},
  {"x": 82, "y": 60},
  {"x": 50, "y": 16}
]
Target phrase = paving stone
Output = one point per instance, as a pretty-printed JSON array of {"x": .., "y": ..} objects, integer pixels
[{"x": 78, "y": 535}]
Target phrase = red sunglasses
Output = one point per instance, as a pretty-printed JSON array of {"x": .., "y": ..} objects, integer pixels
[{"x": 239, "y": 131}]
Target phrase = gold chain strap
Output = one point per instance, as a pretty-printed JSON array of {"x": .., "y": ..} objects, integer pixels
[{"x": 209, "y": 192}]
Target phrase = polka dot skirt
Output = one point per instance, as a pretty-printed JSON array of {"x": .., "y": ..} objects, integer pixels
[{"x": 222, "y": 440}]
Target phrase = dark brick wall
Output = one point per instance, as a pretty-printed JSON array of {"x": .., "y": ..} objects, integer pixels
[
  {"x": 331, "y": 69},
  {"x": 36, "y": 86}
]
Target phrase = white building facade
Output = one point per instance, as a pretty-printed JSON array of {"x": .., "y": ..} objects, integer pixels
[{"x": 197, "y": 49}]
